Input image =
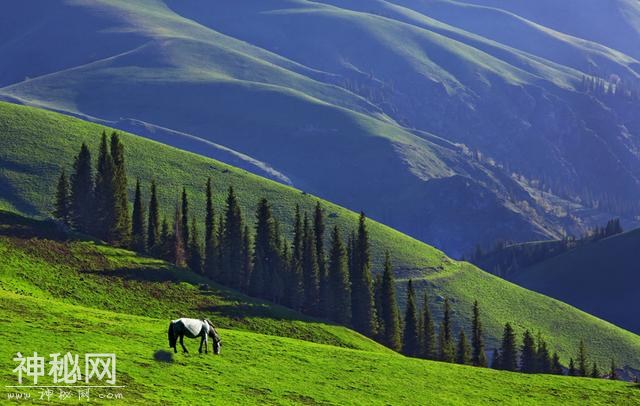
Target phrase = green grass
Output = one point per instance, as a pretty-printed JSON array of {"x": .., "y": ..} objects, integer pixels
[
  {"x": 35, "y": 144},
  {"x": 258, "y": 369}
]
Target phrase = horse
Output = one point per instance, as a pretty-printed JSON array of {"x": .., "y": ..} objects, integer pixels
[{"x": 193, "y": 328}]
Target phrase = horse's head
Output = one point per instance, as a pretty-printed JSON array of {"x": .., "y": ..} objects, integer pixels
[{"x": 215, "y": 338}]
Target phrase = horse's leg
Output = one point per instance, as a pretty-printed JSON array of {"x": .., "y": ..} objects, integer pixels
[
  {"x": 182, "y": 344},
  {"x": 200, "y": 348}
]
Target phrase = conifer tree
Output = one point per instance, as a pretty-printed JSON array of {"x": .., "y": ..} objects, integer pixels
[
  {"x": 318, "y": 232},
  {"x": 582, "y": 360},
  {"x": 463, "y": 351},
  {"x": 265, "y": 252},
  {"x": 428, "y": 335},
  {"x": 185, "y": 220},
  {"x": 340, "y": 287},
  {"x": 362, "y": 304},
  {"x": 163, "y": 247},
  {"x": 82, "y": 191},
  {"x": 595, "y": 372},
  {"x": 121, "y": 230},
  {"x": 247, "y": 262},
  {"x": 572, "y": 368},
  {"x": 478, "y": 358},
  {"x": 232, "y": 242},
  {"x": 390, "y": 315},
  {"x": 528, "y": 353},
  {"x": 211, "y": 238},
  {"x": 556, "y": 367},
  {"x": 177, "y": 244},
  {"x": 508, "y": 351},
  {"x": 613, "y": 374},
  {"x": 62, "y": 210},
  {"x": 153, "y": 223},
  {"x": 410, "y": 344},
  {"x": 544, "y": 362},
  {"x": 310, "y": 270},
  {"x": 195, "y": 251},
  {"x": 445, "y": 337},
  {"x": 496, "y": 361},
  {"x": 104, "y": 195},
  {"x": 294, "y": 287},
  {"x": 138, "y": 242},
  {"x": 377, "y": 299}
]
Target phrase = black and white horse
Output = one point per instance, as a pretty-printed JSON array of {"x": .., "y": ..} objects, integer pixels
[{"x": 193, "y": 328}]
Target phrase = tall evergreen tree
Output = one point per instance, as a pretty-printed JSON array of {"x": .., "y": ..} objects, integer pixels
[
  {"x": 428, "y": 335},
  {"x": 138, "y": 238},
  {"x": 121, "y": 231},
  {"x": 595, "y": 372},
  {"x": 82, "y": 191},
  {"x": 463, "y": 351},
  {"x": 294, "y": 286},
  {"x": 177, "y": 244},
  {"x": 582, "y": 360},
  {"x": 195, "y": 251},
  {"x": 445, "y": 338},
  {"x": 340, "y": 287},
  {"x": 232, "y": 242},
  {"x": 318, "y": 232},
  {"x": 613, "y": 373},
  {"x": 390, "y": 315},
  {"x": 247, "y": 261},
  {"x": 265, "y": 253},
  {"x": 411, "y": 344},
  {"x": 478, "y": 358},
  {"x": 362, "y": 304},
  {"x": 508, "y": 351},
  {"x": 105, "y": 203},
  {"x": 163, "y": 247},
  {"x": 185, "y": 220},
  {"x": 572, "y": 368},
  {"x": 310, "y": 270},
  {"x": 211, "y": 239},
  {"x": 528, "y": 353},
  {"x": 556, "y": 367},
  {"x": 543, "y": 361},
  {"x": 62, "y": 210},
  {"x": 377, "y": 299},
  {"x": 153, "y": 223}
]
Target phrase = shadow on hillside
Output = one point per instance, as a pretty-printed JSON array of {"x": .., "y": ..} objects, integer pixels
[
  {"x": 9, "y": 191},
  {"x": 13, "y": 225},
  {"x": 163, "y": 356},
  {"x": 138, "y": 274},
  {"x": 239, "y": 311}
]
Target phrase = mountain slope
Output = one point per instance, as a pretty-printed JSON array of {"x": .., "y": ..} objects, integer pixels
[
  {"x": 35, "y": 144},
  {"x": 243, "y": 373},
  {"x": 275, "y": 81},
  {"x": 600, "y": 278}
]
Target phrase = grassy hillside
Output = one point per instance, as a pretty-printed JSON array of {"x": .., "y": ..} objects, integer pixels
[
  {"x": 258, "y": 369},
  {"x": 35, "y": 144},
  {"x": 600, "y": 278}
]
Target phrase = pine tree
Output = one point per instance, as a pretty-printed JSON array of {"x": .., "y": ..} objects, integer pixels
[
  {"x": 556, "y": 367},
  {"x": 62, "y": 209},
  {"x": 496, "y": 360},
  {"x": 428, "y": 335},
  {"x": 163, "y": 247},
  {"x": 508, "y": 351},
  {"x": 318, "y": 232},
  {"x": 572, "y": 368},
  {"x": 177, "y": 244},
  {"x": 247, "y": 261},
  {"x": 582, "y": 360},
  {"x": 410, "y": 344},
  {"x": 265, "y": 253},
  {"x": 138, "y": 242},
  {"x": 211, "y": 239},
  {"x": 121, "y": 231},
  {"x": 463, "y": 351},
  {"x": 185, "y": 220},
  {"x": 105, "y": 204},
  {"x": 528, "y": 353},
  {"x": 339, "y": 285},
  {"x": 377, "y": 299},
  {"x": 294, "y": 286},
  {"x": 232, "y": 242},
  {"x": 390, "y": 315},
  {"x": 362, "y": 304},
  {"x": 445, "y": 337},
  {"x": 613, "y": 374},
  {"x": 310, "y": 270},
  {"x": 82, "y": 191},
  {"x": 153, "y": 223},
  {"x": 195, "y": 251},
  {"x": 595, "y": 372},
  {"x": 544, "y": 362},
  {"x": 479, "y": 358}
]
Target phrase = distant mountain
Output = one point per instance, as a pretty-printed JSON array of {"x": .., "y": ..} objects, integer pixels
[
  {"x": 601, "y": 278},
  {"x": 440, "y": 119}
]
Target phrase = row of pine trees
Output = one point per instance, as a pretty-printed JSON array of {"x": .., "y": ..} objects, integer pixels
[{"x": 333, "y": 281}]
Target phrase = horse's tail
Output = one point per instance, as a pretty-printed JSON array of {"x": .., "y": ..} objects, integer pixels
[{"x": 172, "y": 336}]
